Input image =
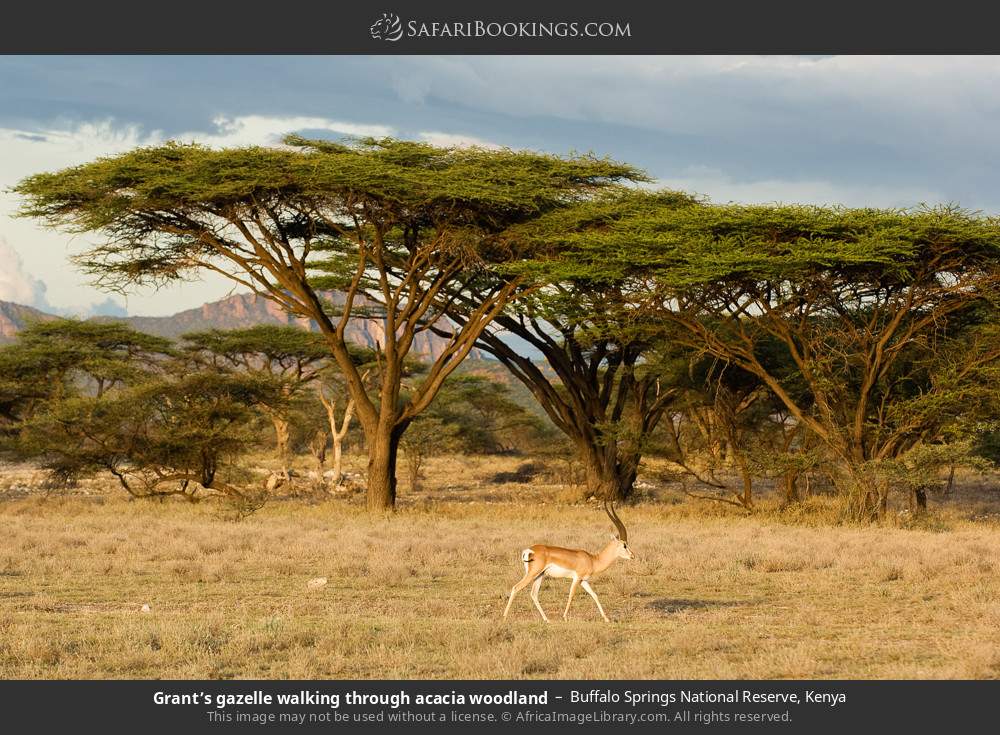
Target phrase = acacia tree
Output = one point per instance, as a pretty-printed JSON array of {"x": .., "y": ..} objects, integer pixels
[
  {"x": 389, "y": 223},
  {"x": 100, "y": 396},
  {"x": 60, "y": 358},
  {"x": 337, "y": 430},
  {"x": 291, "y": 356},
  {"x": 864, "y": 303},
  {"x": 489, "y": 421},
  {"x": 174, "y": 434},
  {"x": 727, "y": 419},
  {"x": 611, "y": 370}
]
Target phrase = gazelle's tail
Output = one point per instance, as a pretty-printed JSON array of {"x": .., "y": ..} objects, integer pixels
[{"x": 527, "y": 555}]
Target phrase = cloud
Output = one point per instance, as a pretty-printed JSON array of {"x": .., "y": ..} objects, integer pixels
[
  {"x": 883, "y": 130},
  {"x": 58, "y": 145},
  {"x": 721, "y": 187},
  {"x": 696, "y": 94},
  {"x": 72, "y": 143},
  {"x": 16, "y": 284},
  {"x": 265, "y": 130},
  {"x": 456, "y": 140},
  {"x": 108, "y": 307},
  {"x": 913, "y": 123}
]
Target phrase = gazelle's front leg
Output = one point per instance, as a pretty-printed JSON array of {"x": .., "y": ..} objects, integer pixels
[
  {"x": 534, "y": 595},
  {"x": 590, "y": 590},
  {"x": 572, "y": 590}
]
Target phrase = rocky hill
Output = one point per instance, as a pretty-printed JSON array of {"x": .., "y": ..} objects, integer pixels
[
  {"x": 247, "y": 310},
  {"x": 235, "y": 312},
  {"x": 13, "y": 317}
]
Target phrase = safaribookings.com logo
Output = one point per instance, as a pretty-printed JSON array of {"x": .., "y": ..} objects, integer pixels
[{"x": 390, "y": 28}]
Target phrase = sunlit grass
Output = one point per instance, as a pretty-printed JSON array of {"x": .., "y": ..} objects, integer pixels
[{"x": 420, "y": 593}]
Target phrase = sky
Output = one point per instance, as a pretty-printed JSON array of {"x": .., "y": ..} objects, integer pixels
[{"x": 854, "y": 130}]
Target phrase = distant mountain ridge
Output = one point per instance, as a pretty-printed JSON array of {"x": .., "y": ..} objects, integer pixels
[
  {"x": 247, "y": 310},
  {"x": 14, "y": 317},
  {"x": 238, "y": 311}
]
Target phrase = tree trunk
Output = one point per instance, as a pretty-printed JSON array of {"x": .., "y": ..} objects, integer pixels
[
  {"x": 317, "y": 445},
  {"x": 282, "y": 437},
  {"x": 383, "y": 451},
  {"x": 337, "y": 434},
  {"x": 338, "y": 460},
  {"x": 414, "y": 461},
  {"x": 746, "y": 498},
  {"x": 791, "y": 487},
  {"x": 628, "y": 470},
  {"x": 608, "y": 474}
]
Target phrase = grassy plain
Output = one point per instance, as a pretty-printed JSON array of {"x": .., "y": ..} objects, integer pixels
[{"x": 714, "y": 594}]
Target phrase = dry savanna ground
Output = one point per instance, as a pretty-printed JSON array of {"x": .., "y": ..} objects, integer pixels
[{"x": 420, "y": 594}]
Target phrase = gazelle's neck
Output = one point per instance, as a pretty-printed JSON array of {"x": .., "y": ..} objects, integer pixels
[{"x": 606, "y": 557}]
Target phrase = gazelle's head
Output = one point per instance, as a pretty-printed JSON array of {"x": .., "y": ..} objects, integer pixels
[{"x": 620, "y": 539}]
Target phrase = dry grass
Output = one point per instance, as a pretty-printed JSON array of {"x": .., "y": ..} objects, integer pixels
[{"x": 419, "y": 594}]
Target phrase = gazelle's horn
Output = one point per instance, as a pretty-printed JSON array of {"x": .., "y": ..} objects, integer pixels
[{"x": 609, "y": 508}]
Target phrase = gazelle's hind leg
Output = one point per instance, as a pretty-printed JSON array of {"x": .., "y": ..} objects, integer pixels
[
  {"x": 572, "y": 590},
  {"x": 522, "y": 583},
  {"x": 534, "y": 595},
  {"x": 532, "y": 569},
  {"x": 586, "y": 585}
]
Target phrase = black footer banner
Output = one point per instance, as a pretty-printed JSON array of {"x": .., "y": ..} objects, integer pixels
[{"x": 458, "y": 706}]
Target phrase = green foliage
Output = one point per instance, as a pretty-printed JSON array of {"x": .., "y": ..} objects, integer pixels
[
  {"x": 290, "y": 356},
  {"x": 922, "y": 466},
  {"x": 866, "y": 329},
  {"x": 62, "y": 358},
  {"x": 280, "y": 350},
  {"x": 82, "y": 397},
  {"x": 56, "y": 356},
  {"x": 170, "y": 435},
  {"x": 776, "y": 338},
  {"x": 869, "y": 326},
  {"x": 483, "y": 416},
  {"x": 150, "y": 201},
  {"x": 699, "y": 245},
  {"x": 567, "y": 241}
]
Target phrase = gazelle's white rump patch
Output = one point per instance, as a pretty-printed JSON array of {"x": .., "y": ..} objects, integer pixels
[{"x": 526, "y": 555}]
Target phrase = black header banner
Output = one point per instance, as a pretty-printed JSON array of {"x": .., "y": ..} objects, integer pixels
[
  {"x": 459, "y": 706},
  {"x": 509, "y": 27}
]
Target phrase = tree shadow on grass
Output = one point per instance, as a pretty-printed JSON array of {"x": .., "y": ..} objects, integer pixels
[{"x": 670, "y": 605}]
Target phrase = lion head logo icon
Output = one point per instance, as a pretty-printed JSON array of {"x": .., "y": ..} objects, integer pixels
[{"x": 387, "y": 28}]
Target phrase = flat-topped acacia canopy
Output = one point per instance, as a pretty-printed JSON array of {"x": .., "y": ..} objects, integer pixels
[
  {"x": 168, "y": 189},
  {"x": 713, "y": 244}
]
